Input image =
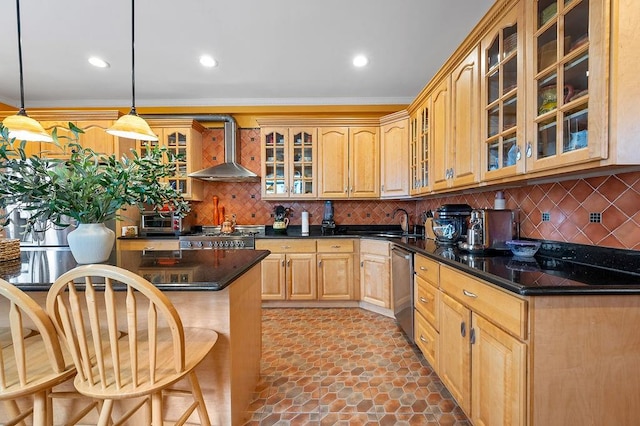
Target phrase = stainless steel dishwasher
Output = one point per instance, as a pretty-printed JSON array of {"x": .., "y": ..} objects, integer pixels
[{"x": 402, "y": 285}]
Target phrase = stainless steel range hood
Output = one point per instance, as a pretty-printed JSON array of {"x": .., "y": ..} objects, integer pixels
[{"x": 230, "y": 170}]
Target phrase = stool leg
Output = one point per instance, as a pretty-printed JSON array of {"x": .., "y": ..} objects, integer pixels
[
  {"x": 105, "y": 413},
  {"x": 40, "y": 412},
  {"x": 197, "y": 395},
  {"x": 13, "y": 410}
]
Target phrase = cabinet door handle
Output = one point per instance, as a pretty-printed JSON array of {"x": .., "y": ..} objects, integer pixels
[
  {"x": 336, "y": 247},
  {"x": 472, "y": 336},
  {"x": 469, "y": 294},
  {"x": 518, "y": 153},
  {"x": 362, "y": 264},
  {"x": 346, "y": 189},
  {"x": 285, "y": 247},
  {"x": 529, "y": 151},
  {"x": 283, "y": 263},
  {"x": 422, "y": 268},
  {"x": 424, "y": 300},
  {"x": 382, "y": 188},
  {"x": 288, "y": 263},
  {"x": 422, "y": 339},
  {"x": 463, "y": 329},
  {"x": 320, "y": 263}
]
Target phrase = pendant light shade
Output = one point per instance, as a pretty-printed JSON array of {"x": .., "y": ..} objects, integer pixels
[
  {"x": 132, "y": 126},
  {"x": 21, "y": 126}
]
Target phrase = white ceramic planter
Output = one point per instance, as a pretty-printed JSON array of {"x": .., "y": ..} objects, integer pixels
[{"x": 91, "y": 242}]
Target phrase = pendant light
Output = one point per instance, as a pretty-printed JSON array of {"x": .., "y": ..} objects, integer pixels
[
  {"x": 132, "y": 126},
  {"x": 21, "y": 126}
]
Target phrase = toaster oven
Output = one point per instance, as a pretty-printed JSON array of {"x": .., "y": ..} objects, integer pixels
[{"x": 158, "y": 223}]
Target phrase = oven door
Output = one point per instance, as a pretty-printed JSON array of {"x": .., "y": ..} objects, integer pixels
[
  {"x": 402, "y": 285},
  {"x": 153, "y": 223}
]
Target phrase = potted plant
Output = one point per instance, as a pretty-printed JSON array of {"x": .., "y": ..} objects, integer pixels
[{"x": 88, "y": 187}]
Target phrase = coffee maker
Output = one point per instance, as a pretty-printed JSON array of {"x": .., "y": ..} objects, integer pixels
[
  {"x": 489, "y": 229},
  {"x": 328, "y": 224}
]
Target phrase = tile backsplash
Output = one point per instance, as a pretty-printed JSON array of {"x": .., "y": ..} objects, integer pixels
[{"x": 600, "y": 210}]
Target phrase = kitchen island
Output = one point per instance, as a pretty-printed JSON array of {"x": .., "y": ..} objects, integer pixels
[{"x": 216, "y": 289}]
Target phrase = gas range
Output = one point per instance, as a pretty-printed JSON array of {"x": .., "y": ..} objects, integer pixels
[{"x": 213, "y": 238}]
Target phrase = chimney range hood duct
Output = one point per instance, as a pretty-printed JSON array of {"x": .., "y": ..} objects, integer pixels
[{"x": 230, "y": 170}]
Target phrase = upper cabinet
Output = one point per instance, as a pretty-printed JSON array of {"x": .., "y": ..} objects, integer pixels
[
  {"x": 394, "y": 155},
  {"x": 93, "y": 123},
  {"x": 502, "y": 98},
  {"x": 419, "y": 148},
  {"x": 288, "y": 162},
  {"x": 567, "y": 82},
  {"x": 349, "y": 162},
  {"x": 182, "y": 138},
  {"x": 455, "y": 127}
]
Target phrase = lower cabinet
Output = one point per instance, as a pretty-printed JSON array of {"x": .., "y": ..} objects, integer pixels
[
  {"x": 308, "y": 269},
  {"x": 148, "y": 244},
  {"x": 375, "y": 273},
  {"x": 335, "y": 269},
  {"x": 289, "y": 272},
  {"x": 482, "y": 352}
]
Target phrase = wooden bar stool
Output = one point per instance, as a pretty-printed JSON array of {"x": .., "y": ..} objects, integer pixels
[
  {"x": 31, "y": 359},
  {"x": 127, "y": 341}
]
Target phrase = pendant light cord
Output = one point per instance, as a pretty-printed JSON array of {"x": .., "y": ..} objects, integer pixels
[
  {"x": 22, "y": 111},
  {"x": 133, "y": 60}
]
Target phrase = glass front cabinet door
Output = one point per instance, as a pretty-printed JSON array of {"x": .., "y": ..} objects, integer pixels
[
  {"x": 567, "y": 88},
  {"x": 502, "y": 98},
  {"x": 288, "y": 163},
  {"x": 419, "y": 149}
]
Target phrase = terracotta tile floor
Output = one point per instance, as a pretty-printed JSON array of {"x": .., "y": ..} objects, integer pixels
[{"x": 345, "y": 367}]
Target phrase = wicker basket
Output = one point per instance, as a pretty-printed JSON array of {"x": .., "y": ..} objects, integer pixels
[{"x": 9, "y": 249}]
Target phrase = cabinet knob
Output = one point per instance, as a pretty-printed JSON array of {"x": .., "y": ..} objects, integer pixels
[
  {"x": 346, "y": 189},
  {"x": 320, "y": 263}
]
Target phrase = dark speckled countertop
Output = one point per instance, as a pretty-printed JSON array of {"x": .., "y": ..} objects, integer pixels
[
  {"x": 208, "y": 270},
  {"x": 557, "y": 269}
]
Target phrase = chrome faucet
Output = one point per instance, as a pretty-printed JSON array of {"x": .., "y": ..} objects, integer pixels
[{"x": 405, "y": 228}]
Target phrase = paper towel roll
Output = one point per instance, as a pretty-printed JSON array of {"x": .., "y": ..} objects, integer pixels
[{"x": 305, "y": 223}]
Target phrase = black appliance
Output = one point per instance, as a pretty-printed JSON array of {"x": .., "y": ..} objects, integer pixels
[{"x": 328, "y": 224}]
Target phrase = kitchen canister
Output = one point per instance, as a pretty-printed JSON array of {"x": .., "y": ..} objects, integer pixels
[{"x": 305, "y": 223}]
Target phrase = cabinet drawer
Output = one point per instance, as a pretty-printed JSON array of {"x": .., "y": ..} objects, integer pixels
[
  {"x": 148, "y": 244},
  {"x": 427, "y": 269},
  {"x": 335, "y": 245},
  {"x": 286, "y": 245},
  {"x": 375, "y": 247},
  {"x": 427, "y": 338},
  {"x": 427, "y": 300},
  {"x": 506, "y": 311}
]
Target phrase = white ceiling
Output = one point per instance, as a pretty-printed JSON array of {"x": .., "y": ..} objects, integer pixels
[{"x": 270, "y": 52}]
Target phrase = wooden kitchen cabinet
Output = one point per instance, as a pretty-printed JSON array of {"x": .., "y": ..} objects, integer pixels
[
  {"x": 567, "y": 82},
  {"x": 289, "y": 272},
  {"x": 439, "y": 117},
  {"x": 183, "y": 138},
  {"x": 336, "y": 269},
  {"x": 420, "y": 148},
  {"x": 348, "y": 162},
  {"x": 394, "y": 155},
  {"x": 483, "y": 361},
  {"x": 149, "y": 244},
  {"x": 456, "y": 147},
  {"x": 503, "y": 97},
  {"x": 375, "y": 273},
  {"x": 288, "y": 162},
  {"x": 94, "y": 124}
]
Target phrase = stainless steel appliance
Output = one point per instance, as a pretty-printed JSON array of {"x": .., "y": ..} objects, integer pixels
[
  {"x": 489, "y": 229},
  {"x": 158, "y": 223},
  {"x": 450, "y": 223},
  {"x": 402, "y": 285},
  {"x": 44, "y": 234},
  {"x": 212, "y": 238}
]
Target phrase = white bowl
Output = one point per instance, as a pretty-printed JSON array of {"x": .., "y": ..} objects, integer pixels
[{"x": 523, "y": 248}]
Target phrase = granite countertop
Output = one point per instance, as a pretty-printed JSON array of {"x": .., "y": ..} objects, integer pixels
[
  {"x": 208, "y": 270},
  {"x": 543, "y": 274}
]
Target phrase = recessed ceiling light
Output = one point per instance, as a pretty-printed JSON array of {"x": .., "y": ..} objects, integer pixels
[
  {"x": 208, "y": 61},
  {"x": 97, "y": 62},
  {"x": 360, "y": 61}
]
